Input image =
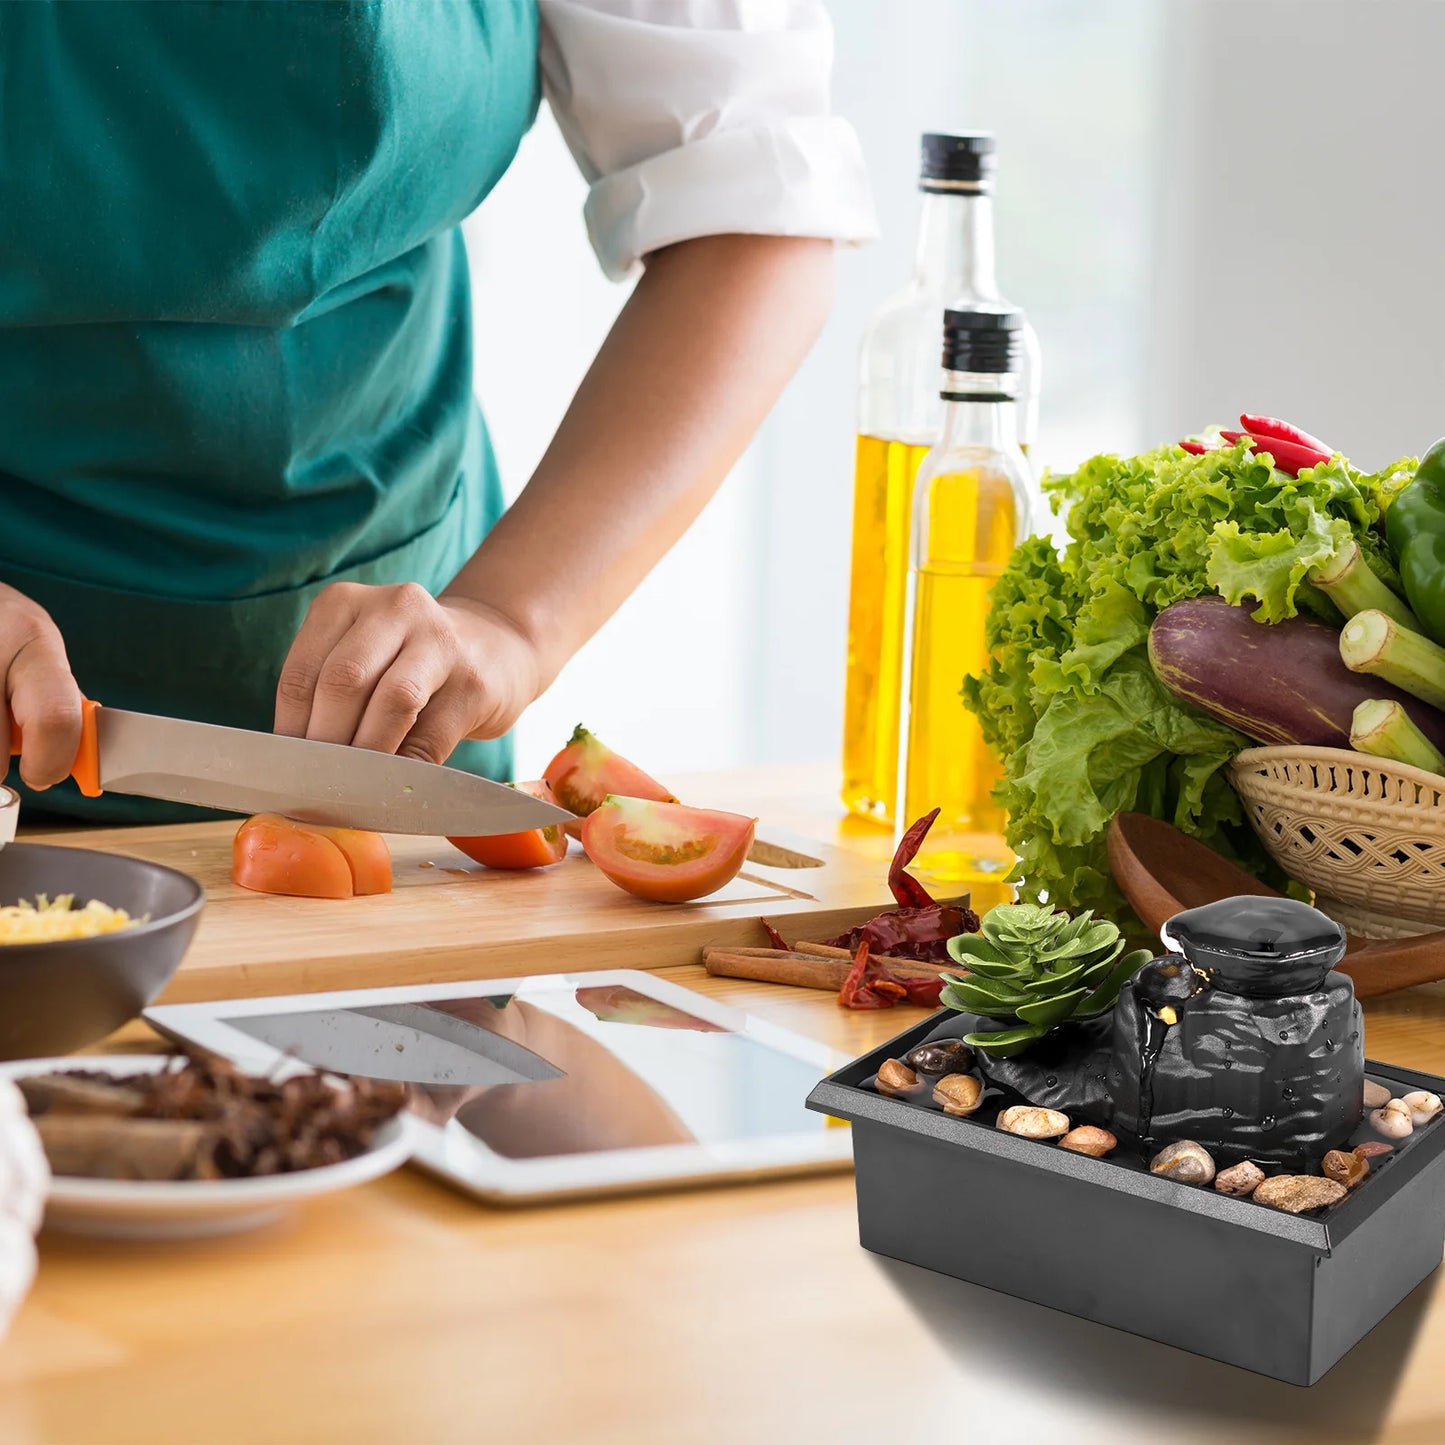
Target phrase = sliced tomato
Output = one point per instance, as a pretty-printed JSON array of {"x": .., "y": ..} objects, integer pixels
[
  {"x": 272, "y": 854},
  {"x": 664, "y": 851},
  {"x": 534, "y": 848},
  {"x": 366, "y": 855},
  {"x": 586, "y": 771}
]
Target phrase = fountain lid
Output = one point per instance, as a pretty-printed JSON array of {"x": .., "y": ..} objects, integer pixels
[{"x": 1264, "y": 947}]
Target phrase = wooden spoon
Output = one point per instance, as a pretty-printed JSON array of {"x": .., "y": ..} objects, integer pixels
[{"x": 1162, "y": 871}]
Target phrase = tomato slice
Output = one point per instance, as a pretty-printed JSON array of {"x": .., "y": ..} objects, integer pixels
[
  {"x": 664, "y": 851},
  {"x": 534, "y": 848},
  {"x": 366, "y": 855},
  {"x": 586, "y": 771},
  {"x": 272, "y": 854}
]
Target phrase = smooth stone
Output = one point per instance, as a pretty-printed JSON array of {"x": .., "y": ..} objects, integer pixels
[
  {"x": 1032, "y": 1123},
  {"x": 1184, "y": 1161},
  {"x": 1299, "y": 1193},
  {"x": 959, "y": 1094},
  {"x": 1241, "y": 1180},
  {"x": 1087, "y": 1139},
  {"x": 1350, "y": 1169}
]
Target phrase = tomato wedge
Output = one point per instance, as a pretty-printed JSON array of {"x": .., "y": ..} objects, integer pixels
[
  {"x": 534, "y": 848},
  {"x": 664, "y": 851},
  {"x": 366, "y": 855},
  {"x": 587, "y": 771},
  {"x": 272, "y": 854}
]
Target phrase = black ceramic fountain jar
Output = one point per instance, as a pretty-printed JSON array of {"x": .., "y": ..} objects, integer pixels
[
  {"x": 1242, "y": 1038},
  {"x": 1280, "y": 1294}
]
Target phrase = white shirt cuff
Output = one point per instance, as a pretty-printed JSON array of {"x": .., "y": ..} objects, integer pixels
[
  {"x": 800, "y": 177},
  {"x": 700, "y": 118}
]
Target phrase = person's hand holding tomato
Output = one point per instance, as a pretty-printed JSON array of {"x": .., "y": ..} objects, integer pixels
[{"x": 397, "y": 670}]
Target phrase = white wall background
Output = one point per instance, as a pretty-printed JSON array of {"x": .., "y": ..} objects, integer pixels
[{"x": 1202, "y": 207}]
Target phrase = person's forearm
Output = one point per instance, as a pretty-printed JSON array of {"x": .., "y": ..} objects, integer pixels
[{"x": 706, "y": 342}]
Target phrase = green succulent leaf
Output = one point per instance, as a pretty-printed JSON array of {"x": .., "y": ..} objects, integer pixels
[
  {"x": 1049, "y": 1012},
  {"x": 969, "y": 949},
  {"x": 979, "y": 968},
  {"x": 1033, "y": 963},
  {"x": 959, "y": 996},
  {"x": 974, "y": 996},
  {"x": 1006, "y": 1043}
]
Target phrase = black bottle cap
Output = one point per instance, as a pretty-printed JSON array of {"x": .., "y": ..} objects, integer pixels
[
  {"x": 982, "y": 338},
  {"x": 958, "y": 163}
]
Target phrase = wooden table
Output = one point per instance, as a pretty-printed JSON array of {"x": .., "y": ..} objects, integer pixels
[{"x": 403, "y": 1312}]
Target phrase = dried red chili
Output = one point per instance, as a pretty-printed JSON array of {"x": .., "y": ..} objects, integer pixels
[
  {"x": 775, "y": 939},
  {"x": 859, "y": 990},
  {"x": 872, "y": 985},
  {"x": 919, "y": 930},
  {"x": 909, "y": 892},
  {"x": 922, "y": 992}
]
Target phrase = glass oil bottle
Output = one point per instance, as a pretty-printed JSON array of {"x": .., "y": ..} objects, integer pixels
[
  {"x": 900, "y": 417},
  {"x": 972, "y": 502}
]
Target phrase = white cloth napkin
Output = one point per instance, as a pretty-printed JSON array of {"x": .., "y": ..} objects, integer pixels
[{"x": 24, "y": 1180}]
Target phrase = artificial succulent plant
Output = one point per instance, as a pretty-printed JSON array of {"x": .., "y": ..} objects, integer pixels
[{"x": 1038, "y": 967}]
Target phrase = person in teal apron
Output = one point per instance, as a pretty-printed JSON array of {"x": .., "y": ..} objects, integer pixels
[{"x": 243, "y": 478}]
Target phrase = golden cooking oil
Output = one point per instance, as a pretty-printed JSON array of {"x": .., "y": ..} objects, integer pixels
[
  {"x": 882, "y": 522},
  {"x": 971, "y": 505},
  {"x": 900, "y": 419}
]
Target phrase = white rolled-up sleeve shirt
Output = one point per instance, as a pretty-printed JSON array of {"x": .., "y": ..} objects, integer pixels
[{"x": 701, "y": 118}]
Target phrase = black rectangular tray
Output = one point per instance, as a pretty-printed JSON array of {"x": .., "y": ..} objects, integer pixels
[{"x": 1284, "y": 1295}]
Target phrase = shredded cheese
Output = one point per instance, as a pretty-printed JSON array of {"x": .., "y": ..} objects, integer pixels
[{"x": 50, "y": 919}]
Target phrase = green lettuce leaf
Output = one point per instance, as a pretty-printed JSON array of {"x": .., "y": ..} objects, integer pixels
[{"x": 1069, "y": 702}]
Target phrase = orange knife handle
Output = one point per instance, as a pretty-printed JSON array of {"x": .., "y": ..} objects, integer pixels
[{"x": 86, "y": 767}]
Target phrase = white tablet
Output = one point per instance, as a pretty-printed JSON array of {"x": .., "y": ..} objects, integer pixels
[{"x": 555, "y": 1086}]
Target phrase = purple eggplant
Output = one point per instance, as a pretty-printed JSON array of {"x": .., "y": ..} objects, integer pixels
[{"x": 1278, "y": 683}]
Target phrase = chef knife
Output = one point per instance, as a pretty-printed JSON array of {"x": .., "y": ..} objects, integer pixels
[
  {"x": 238, "y": 771},
  {"x": 410, "y": 1043}
]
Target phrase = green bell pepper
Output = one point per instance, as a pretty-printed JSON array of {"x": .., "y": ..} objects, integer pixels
[{"x": 1415, "y": 529}]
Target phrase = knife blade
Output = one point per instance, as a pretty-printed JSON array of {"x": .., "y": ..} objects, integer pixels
[
  {"x": 409, "y": 1043},
  {"x": 239, "y": 771}
]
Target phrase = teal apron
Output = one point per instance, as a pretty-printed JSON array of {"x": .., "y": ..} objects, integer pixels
[{"x": 235, "y": 355}]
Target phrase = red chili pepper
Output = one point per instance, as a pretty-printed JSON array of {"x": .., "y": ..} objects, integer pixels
[
  {"x": 1198, "y": 448},
  {"x": 909, "y": 892},
  {"x": 872, "y": 985},
  {"x": 1288, "y": 456},
  {"x": 923, "y": 992},
  {"x": 775, "y": 939},
  {"x": 855, "y": 993},
  {"x": 1273, "y": 429},
  {"x": 884, "y": 985},
  {"x": 921, "y": 934}
]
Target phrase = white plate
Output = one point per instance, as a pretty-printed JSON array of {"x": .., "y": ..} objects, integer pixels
[{"x": 189, "y": 1209}]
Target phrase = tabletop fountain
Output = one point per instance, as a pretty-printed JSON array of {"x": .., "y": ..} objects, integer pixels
[{"x": 1100, "y": 1119}]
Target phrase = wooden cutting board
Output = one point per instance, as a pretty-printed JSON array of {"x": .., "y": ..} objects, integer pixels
[{"x": 448, "y": 919}]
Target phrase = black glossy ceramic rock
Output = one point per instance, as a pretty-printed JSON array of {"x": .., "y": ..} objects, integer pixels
[
  {"x": 1066, "y": 1070},
  {"x": 1249, "y": 1044}
]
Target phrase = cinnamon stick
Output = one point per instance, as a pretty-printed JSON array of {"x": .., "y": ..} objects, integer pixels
[
  {"x": 93, "y": 1147},
  {"x": 72, "y": 1094},
  {"x": 802, "y": 969},
  {"x": 827, "y": 950},
  {"x": 769, "y": 965}
]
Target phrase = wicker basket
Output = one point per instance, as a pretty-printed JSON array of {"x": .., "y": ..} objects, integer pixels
[{"x": 1368, "y": 836}]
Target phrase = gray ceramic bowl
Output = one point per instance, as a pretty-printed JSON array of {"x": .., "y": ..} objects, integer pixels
[{"x": 60, "y": 996}]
